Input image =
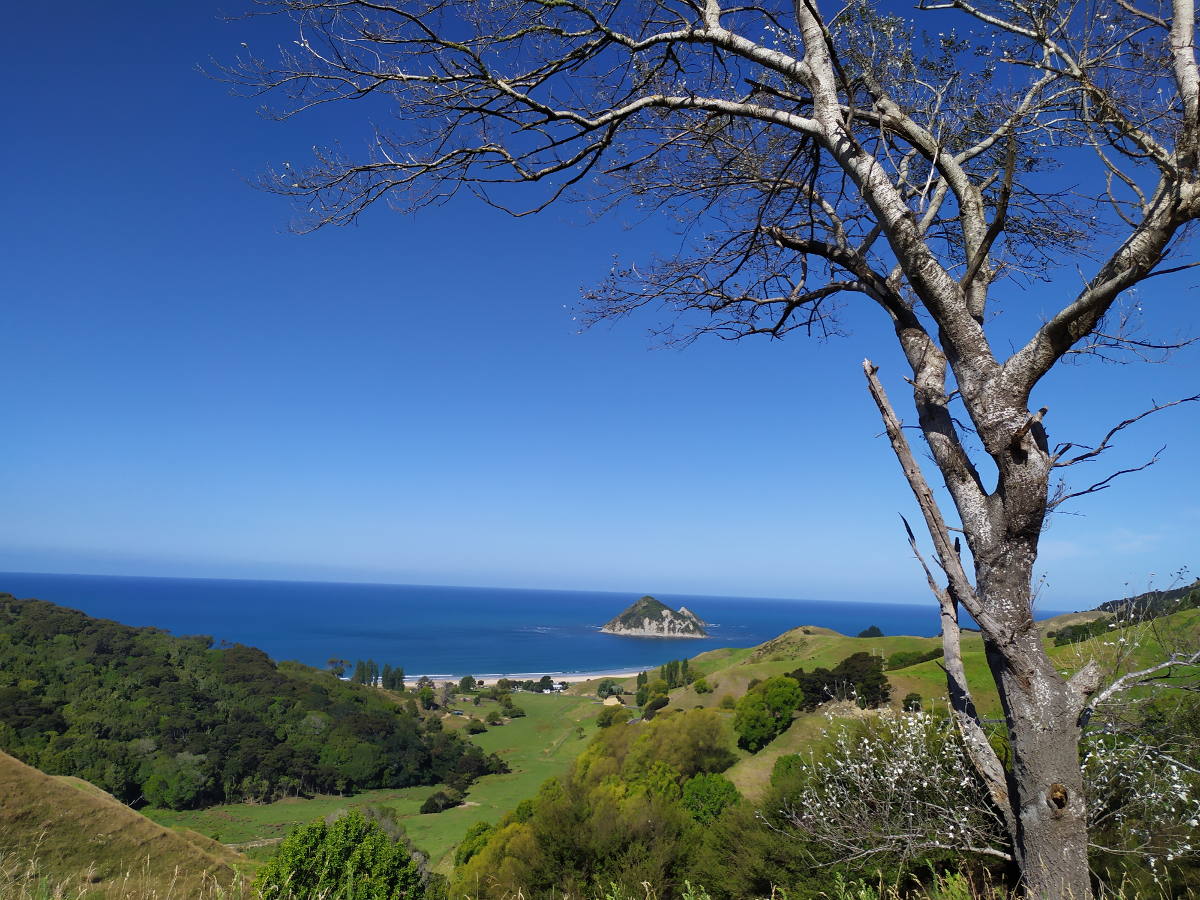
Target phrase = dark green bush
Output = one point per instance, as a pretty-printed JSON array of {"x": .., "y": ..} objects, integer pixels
[{"x": 439, "y": 801}]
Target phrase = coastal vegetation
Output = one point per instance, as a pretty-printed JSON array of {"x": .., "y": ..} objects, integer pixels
[
  {"x": 859, "y": 678},
  {"x": 858, "y": 794},
  {"x": 352, "y": 856},
  {"x": 367, "y": 671},
  {"x": 804, "y": 768},
  {"x": 175, "y": 722},
  {"x": 615, "y": 817},
  {"x": 535, "y": 747}
]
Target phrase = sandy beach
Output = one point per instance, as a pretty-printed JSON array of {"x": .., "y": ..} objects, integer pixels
[{"x": 569, "y": 677}]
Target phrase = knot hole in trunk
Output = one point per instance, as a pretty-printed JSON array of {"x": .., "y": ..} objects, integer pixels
[{"x": 1056, "y": 799}]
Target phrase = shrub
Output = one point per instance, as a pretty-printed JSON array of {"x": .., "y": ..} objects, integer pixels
[
  {"x": 705, "y": 796},
  {"x": 754, "y": 723},
  {"x": 766, "y": 711},
  {"x": 476, "y": 727},
  {"x": 1073, "y": 634},
  {"x": 872, "y": 632},
  {"x": 176, "y": 781},
  {"x": 702, "y": 686},
  {"x": 651, "y": 709},
  {"x": 493, "y": 717},
  {"x": 894, "y": 786},
  {"x": 473, "y": 841},
  {"x": 439, "y": 801},
  {"x": 613, "y": 715},
  {"x": 787, "y": 768},
  {"x": 348, "y": 858},
  {"x": 912, "y": 702},
  {"x": 859, "y": 677},
  {"x": 727, "y": 702}
]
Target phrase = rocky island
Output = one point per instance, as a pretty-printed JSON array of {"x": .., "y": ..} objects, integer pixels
[{"x": 651, "y": 618}]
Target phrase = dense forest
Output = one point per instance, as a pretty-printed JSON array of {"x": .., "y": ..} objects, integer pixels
[{"x": 173, "y": 721}]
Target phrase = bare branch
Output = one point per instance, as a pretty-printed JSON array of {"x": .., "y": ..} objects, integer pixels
[
  {"x": 1106, "y": 442},
  {"x": 982, "y": 755},
  {"x": 1166, "y": 668},
  {"x": 947, "y": 559},
  {"x": 1104, "y": 483}
]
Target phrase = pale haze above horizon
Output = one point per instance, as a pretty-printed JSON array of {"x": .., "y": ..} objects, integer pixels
[{"x": 190, "y": 390}]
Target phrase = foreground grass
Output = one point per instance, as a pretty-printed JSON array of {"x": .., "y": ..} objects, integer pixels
[{"x": 25, "y": 879}]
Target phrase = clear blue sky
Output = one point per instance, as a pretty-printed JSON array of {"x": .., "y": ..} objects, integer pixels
[{"x": 190, "y": 390}]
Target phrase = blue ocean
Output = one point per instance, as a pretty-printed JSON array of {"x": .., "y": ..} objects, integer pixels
[{"x": 444, "y": 630}]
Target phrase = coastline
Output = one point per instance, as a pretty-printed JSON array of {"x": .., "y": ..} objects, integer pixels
[{"x": 569, "y": 677}]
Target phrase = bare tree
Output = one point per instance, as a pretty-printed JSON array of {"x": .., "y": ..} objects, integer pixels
[{"x": 823, "y": 157}]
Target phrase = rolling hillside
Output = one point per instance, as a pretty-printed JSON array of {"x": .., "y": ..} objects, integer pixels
[
  {"x": 729, "y": 673},
  {"x": 82, "y": 840}
]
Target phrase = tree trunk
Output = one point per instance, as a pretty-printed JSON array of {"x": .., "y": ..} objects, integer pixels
[
  {"x": 1041, "y": 710},
  {"x": 1043, "y": 786}
]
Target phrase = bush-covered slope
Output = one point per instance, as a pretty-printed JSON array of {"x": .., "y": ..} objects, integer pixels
[{"x": 174, "y": 722}]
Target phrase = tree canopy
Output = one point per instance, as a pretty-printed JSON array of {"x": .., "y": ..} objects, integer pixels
[{"x": 174, "y": 722}]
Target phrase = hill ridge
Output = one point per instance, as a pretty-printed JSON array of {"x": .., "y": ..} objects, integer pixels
[{"x": 88, "y": 836}]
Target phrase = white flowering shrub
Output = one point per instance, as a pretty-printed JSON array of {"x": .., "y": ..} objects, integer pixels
[
  {"x": 899, "y": 785},
  {"x": 1141, "y": 801}
]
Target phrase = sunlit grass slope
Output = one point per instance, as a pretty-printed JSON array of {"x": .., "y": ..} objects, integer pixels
[
  {"x": 80, "y": 839},
  {"x": 730, "y": 672}
]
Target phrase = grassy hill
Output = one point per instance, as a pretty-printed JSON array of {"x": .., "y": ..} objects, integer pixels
[
  {"x": 729, "y": 672},
  {"x": 61, "y": 833}
]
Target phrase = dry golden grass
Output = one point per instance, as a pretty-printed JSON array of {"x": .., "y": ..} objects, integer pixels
[{"x": 60, "y": 838}]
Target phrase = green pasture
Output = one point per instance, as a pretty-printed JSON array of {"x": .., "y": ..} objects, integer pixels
[
  {"x": 536, "y": 747},
  {"x": 240, "y": 823}
]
